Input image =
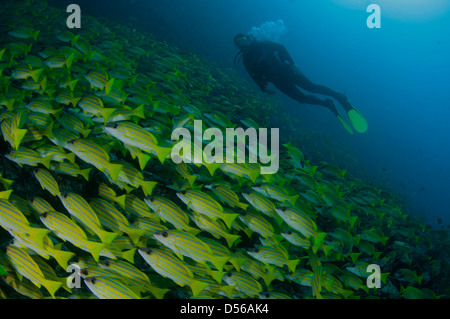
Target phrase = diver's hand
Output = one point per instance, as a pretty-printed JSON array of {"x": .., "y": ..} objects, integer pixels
[{"x": 270, "y": 92}]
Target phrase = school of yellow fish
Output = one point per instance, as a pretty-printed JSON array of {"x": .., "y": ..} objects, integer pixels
[{"x": 88, "y": 183}]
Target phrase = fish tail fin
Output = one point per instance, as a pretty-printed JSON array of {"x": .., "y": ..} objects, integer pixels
[
  {"x": 163, "y": 153},
  {"x": 106, "y": 113},
  {"x": 72, "y": 84},
  {"x": 318, "y": 240},
  {"x": 107, "y": 237},
  {"x": 192, "y": 230},
  {"x": 197, "y": 286},
  {"x": 48, "y": 131},
  {"x": 231, "y": 239},
  {"x": 229, "y": 219},
  {"x": 46, "y": 161},
  {"x": 43, "y": 83},
  {"x": 253, "y": 175},
  {"x": 191, "y": 179},
  {"x": 57, "y": 112},
  {"x": 6, "y": 183},
  {"x": 228, "y": 290},
  {"x": 19, "y": 134},
  {"x": 35, "y": 74},
  {"x": 147, "y": 187},
  {"x": 71, "y": 157},
  {"x": 38, "y": 235},
  {"x": 63, "y": 257},
  {"x": 9, "y": 104},
  {"x": 292, "y": 264},
  {"x": 143, "y": 159},
  {"x": 217, "y": 275},
  {"x": 353, "y": 220},
  {"x": 75, "y": 101},
  {"x": 51, "y": 286},
  {"x": 243, "y": 206},
  {"x": 293, "y": 199},
  {"x": 109, "y": 85},
  {"x": 74, "y": 39},
  {"x": 114, "y": 171},
  {"x": 85, "y": 173},
  {"x": 135, "y": 234},
  {"x": 69, "y": 60},
  {"x": 95, "y": 249},
  {"x": 129, "y": 255},
  {"x": 35, "y": 35},
  {"x": 219, "y": 262},
  {"x": 157, "y": 292},
  {"x": 86, "y": 132},
  {"x": 121, "y": 200},
  {"x": 268, "y": 278},
  {"x": 140, "y": 111}
]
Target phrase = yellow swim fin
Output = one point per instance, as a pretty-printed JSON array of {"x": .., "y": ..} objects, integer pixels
[
  {"x": 358, "y": 121},
  {"x": 344, "y": 124}
]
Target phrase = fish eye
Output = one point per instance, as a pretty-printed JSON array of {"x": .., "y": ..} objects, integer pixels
[
  {"x": 93, "y": 280},
  {"x": 44, "y": 215},
  {"x": 164, "y": 234},
  {"x": 256, "y": 250},
  {"x": 114, "y": 126},
  {"x": 106, "y": 263},
  {"x": 84, "y": 272},
  {"x": 289, "y": 232},
  {"x": 148, "y": 251},
  {"x": 229, "y": 274}
]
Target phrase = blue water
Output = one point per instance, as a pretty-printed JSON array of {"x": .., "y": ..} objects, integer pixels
[{"x": 397, "y": 75}]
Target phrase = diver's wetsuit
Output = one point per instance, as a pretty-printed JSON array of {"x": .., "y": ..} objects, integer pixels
[{"x": 267, "y": 61}]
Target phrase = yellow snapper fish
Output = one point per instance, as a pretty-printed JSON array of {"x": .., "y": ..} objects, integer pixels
[
  {"x": 26, "y": 156},
  {"x": 276, "y": 192},
  {"x": 185, "y": 244},
  {"x": 40, "y": 205},
  {"x": 273, "y": 256},
  {"x": 171, "y": 213},
  {"x": 11, "y": 218},
  {"x": 243, "y": 282},
  {"x": 66, "y": 229},
  {"x": 130, "y": 175},
  {"x": 133, "y": 276},
  {"x": 61, "y": 256},
  {"x": 166, "y": 264},
  {"x": 204, "y": 204},
  {"x": 92, "y": 104},
  {"x": 83, "y": 212},
  {"x": 71, "y": 169},
  {"x": 261, "y": 203},
  {"x": 27, "y": 267},
  {"x": 92, "y": 153},
  {"x": 47, "y": 181},
  {"x": 226, "y": 195},
  {"x": 215, "y": 228},
  {"x": 110, "y": 288},
  {"x": 113, "y": 219},
  {"x": 134, "y": 135}
]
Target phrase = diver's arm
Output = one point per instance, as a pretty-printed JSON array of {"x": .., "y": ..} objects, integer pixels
[
  {"x": 256, "y": 77},
  {"x": 284, "y": 55},
  {"x": 260, "y": 81}
]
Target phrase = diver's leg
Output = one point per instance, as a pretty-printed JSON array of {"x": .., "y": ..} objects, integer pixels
[
  {"x": 302, "y": 81},
  {"x": 293, "y": 92}
]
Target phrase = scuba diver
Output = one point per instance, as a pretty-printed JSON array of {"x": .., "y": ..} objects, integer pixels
[{"x": 267, "y": 61}]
